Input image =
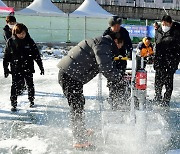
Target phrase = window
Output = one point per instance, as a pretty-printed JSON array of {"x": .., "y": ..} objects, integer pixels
[
  {"x": 149, "y": 1},
  {"x": 167, "y": 1},
  {"x": 130, "y": 1}
]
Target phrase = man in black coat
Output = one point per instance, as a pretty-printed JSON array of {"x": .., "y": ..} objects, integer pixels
[
  {"x": 116, "y": 91},
  {"x": 167, "y": 57},
  {"x": 10, "y": 23},
  {"x": 115, "y": 27},
  {"x": 82, "y": 63},
  {"x": 20, "y": 53}
]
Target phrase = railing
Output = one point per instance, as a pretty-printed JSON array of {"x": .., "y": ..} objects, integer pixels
[
  {"x": 57, "y": 29},
  {"x": 60, "y": 29}
]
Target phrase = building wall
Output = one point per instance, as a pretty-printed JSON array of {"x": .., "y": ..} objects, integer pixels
[
  {"x": 137, "y": 3},
  {"x": 142, "y": 3}
]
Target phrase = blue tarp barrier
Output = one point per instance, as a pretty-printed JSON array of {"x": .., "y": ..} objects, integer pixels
[{"x": 140, "y": 31}]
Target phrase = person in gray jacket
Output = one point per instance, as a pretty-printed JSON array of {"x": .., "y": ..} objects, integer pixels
[{"x": 82, "y": 63}]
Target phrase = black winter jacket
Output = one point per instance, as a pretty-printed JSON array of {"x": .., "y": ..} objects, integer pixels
[
  {"x": 21, "y": 53},
  {"x": 167, "y": 51},
  {"x": 7, "y": 33},
  {"x": 127, "y": 47},
  {"x": 90, "y": 57}
]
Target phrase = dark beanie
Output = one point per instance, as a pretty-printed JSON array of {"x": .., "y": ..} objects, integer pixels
[
  {"x": 115, "y": 20},
  {"x": 167, "y": 18}
]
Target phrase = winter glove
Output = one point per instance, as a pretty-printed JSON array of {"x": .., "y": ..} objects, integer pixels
[
  {"x": 42, "y": 71},
  {"x": 118, "y": 57},
  {"x": 6, "y": 73}
]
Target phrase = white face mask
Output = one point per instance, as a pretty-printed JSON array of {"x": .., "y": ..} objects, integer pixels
[
  {"x": 165, "y": 28},
  {"x": 11, "y": 26}
]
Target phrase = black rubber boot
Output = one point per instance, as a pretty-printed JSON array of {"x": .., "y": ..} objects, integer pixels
[
  {"x": 31, "y": 102},
  {"x": 14, "y": 109},
  {"x": 14, "y": 105}
]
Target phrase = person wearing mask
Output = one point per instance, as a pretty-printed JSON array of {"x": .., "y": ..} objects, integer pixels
[
  {"x": 78, "y": 67},
  {"x": 20, "y": 53},
  {"x": 145, "y": 51},
  {"x": 10, "y": 23},
  {"x": 166, "y": 60},
  {"x": 116, "y": 91}
]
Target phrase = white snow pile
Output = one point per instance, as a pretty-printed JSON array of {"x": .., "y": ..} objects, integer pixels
[
  {"x": 55, "y": 51},
  {"x": 34, "y": 145},
  {"x": 46, "y": 51}
]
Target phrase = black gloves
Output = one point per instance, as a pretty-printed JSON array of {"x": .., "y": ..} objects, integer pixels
[
  {"x": 6, "y": 73},
  {"x": 42, "y": 71},
  {"x": 118, "y": 57}
]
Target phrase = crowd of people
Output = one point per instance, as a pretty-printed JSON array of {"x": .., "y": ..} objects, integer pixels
[{"x": 90, "y": 57}]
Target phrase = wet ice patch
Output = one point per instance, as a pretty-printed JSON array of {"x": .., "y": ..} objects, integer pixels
[
  {"x": 148, "y": 135},
  {"x": 45, "y": 129},
  {"x": 174, "y": 151},
  {"x": 32, "y": 145}
]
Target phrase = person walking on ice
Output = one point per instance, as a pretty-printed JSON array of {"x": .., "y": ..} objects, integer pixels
[
  {"x": 78, "y": 67},
  {"x": 20, "y": 53},
  {"x": 10, "y": 23}
]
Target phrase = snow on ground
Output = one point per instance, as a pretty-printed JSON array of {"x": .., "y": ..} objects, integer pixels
[{"x": 46, "y": 128}]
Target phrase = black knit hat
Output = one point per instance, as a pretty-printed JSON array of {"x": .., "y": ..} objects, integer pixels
[
  {"x": 115, "y": 20},
  {"x": 167, "y": 18}
]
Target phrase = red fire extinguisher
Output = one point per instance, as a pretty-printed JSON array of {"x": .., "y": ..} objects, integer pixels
[{"x": 141, "y": 79}]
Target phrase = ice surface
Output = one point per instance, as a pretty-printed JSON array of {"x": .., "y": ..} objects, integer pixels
[{"x": 46, "y": 128}]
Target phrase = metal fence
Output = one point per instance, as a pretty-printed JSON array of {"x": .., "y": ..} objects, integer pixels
[{"x": 60, "y": 29}]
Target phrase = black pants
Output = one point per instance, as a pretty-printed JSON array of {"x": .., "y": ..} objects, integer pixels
[
  {"x": 17, "y": 81},
  {"x": 138, "y": 63},
  {"x": 21, "y": 86},
  {"x": 120, "y": 64},
  {"x": 73, "y": 90},
  {"x": 164, "y": 78}
]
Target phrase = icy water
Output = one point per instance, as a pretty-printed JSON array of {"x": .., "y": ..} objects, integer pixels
[{"x": 45, "y": 129}]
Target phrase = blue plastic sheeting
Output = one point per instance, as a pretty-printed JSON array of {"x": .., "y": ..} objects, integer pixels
[{"x": 140, "y": 31}]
